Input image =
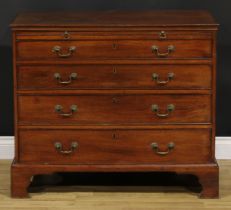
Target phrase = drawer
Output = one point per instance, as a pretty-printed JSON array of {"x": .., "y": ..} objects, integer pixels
[
  {"x": 114, "y": 109},
  {"x": 109, "y": 49},
  {"x": 179, "y": 146},
  {"x": 114, "y": 76},
  {"x": 113, "y": 35}
]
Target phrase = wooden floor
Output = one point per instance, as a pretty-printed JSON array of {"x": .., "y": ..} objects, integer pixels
[{"x": 121, "y": 198}]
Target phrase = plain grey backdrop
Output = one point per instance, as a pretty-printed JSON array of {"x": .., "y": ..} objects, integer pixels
[{"x": 220, "y": 9}]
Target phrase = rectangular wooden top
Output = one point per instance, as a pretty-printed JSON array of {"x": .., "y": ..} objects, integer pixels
[{"x": 153, "y": 18}]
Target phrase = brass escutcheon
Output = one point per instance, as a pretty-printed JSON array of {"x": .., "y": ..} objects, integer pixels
[
  {"x": 162, "y": 35},
  {"x": 66, "y": 35}
]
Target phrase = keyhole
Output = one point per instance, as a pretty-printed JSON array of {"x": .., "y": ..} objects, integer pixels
[
  {"x": 114, "y": 46},
  {"x": 114, "y": 70},
  {"x": 115, "y": 100},
  {"x": 114, "y": 136}
]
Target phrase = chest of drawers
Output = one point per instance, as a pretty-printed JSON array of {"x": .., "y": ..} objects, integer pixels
[{"x": 115, "y": 92}]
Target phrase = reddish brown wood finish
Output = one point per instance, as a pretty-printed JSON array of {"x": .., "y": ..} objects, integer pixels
[
  {"x": 114, "y": 91},
  {"x": 114, "y": 109},
  {"x": 115, "y": 146},
  {"x": 164, "y": 18},
  {"x": 121, "y": 49},
  {"x": 208, "y": 174},
  {"x": 74, "y": 34},
  {"x": 115, "y": 76}
]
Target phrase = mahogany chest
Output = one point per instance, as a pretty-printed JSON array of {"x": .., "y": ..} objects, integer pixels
[{"x": 115, "y": 92}]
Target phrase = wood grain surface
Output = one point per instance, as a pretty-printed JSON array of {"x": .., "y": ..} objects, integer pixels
[
  {"x": 114, "y": 109},
  {"x": 109, "y": 197},
  {"x": 121, "y": 49},
  {"x": 114, "y": 76},
  {"x": 118, "y": 53},
  {"x": 116, "y": 18},
  {"x": 115, "y": 146}
]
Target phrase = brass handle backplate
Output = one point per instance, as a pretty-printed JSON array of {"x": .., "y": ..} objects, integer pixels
[
  {"x": 170, "y": 49},
  {"x": 156, "y": 149},
  {"x": 58, "y": 50},
  {"x": 59, "y": 79},
  {"x": 66, "y": 35},
  {"x": 170, "y": 108},
  {"x": 156, "y": 78},
  {"x": 162, "y": 35},
  {"x": 59, "y": 110},
  {"x": 59, "y": 148}
]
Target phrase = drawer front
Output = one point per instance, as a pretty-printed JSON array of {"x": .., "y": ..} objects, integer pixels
[
  {"x": 177, "y": 146},
  {"x": 107, "y": 49},
  {"x": 115, "y": 76},
  {"x": 113, "y": 35},
  {"x": 114, "y": 109}
]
